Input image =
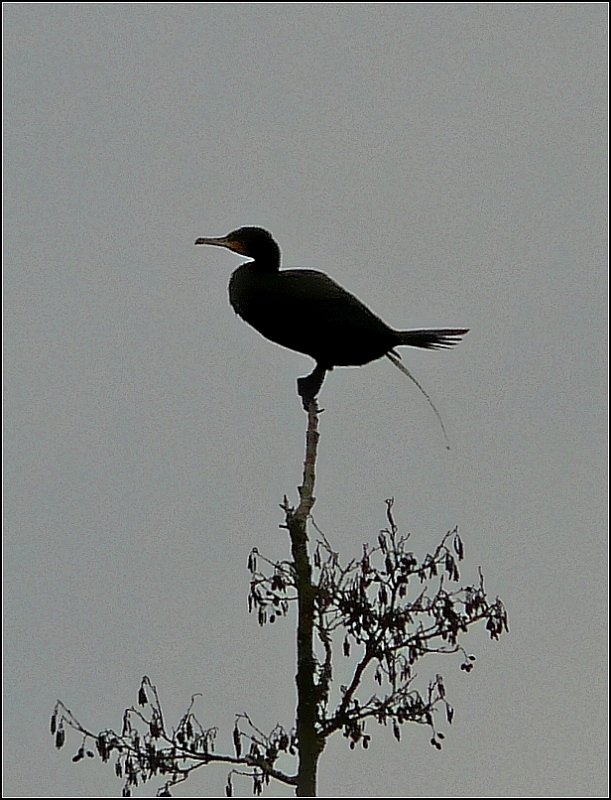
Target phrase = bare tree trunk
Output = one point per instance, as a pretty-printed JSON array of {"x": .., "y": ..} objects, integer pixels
[{"x": 310, "y": 744}]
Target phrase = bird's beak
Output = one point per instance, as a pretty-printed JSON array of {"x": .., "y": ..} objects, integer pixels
[{"x": 222, "y": 241}]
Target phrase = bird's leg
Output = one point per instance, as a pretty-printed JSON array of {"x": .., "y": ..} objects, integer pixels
[{"x": 308, "y": 387}]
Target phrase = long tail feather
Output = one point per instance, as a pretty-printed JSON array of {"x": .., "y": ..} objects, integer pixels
[{"x": 396, "y": 360}]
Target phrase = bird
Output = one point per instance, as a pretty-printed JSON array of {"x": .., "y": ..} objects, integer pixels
[{"x": 307, "y": 311}]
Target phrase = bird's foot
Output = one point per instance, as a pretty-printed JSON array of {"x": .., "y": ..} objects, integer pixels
[
  {"x": 306, "y": 391},
  {"x": 308, "y": 387}
]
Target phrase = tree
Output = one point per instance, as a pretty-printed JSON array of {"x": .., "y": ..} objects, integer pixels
[{"x": 388, "y": 609}]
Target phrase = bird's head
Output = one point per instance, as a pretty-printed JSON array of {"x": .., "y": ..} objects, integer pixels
[{"x": 253, "y": 242}]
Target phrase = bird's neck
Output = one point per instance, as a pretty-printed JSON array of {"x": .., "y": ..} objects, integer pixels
[
  {"x": 266, "y": 256},
  {"x": 265, "y": 264}
]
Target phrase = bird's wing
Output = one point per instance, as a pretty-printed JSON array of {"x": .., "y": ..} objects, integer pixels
[{"x": 310, "y": 292}]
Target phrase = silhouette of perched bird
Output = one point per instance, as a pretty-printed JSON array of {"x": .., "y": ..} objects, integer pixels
[{"x": 307, "y": 311}]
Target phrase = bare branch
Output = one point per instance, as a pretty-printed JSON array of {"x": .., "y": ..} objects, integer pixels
[{"x": 386, "y": 609}]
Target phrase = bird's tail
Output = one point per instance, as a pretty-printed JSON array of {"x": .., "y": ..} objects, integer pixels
[{"x": 436, "y": 339}]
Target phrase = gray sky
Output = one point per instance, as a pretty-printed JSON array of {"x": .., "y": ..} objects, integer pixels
[{"x": 446, "y": 163}]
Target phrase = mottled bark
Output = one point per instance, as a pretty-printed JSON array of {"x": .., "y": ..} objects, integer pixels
[{"x": 310, "y": 743}]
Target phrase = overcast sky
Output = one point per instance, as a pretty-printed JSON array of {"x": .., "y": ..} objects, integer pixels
[{"x": 444, "y": 162}]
